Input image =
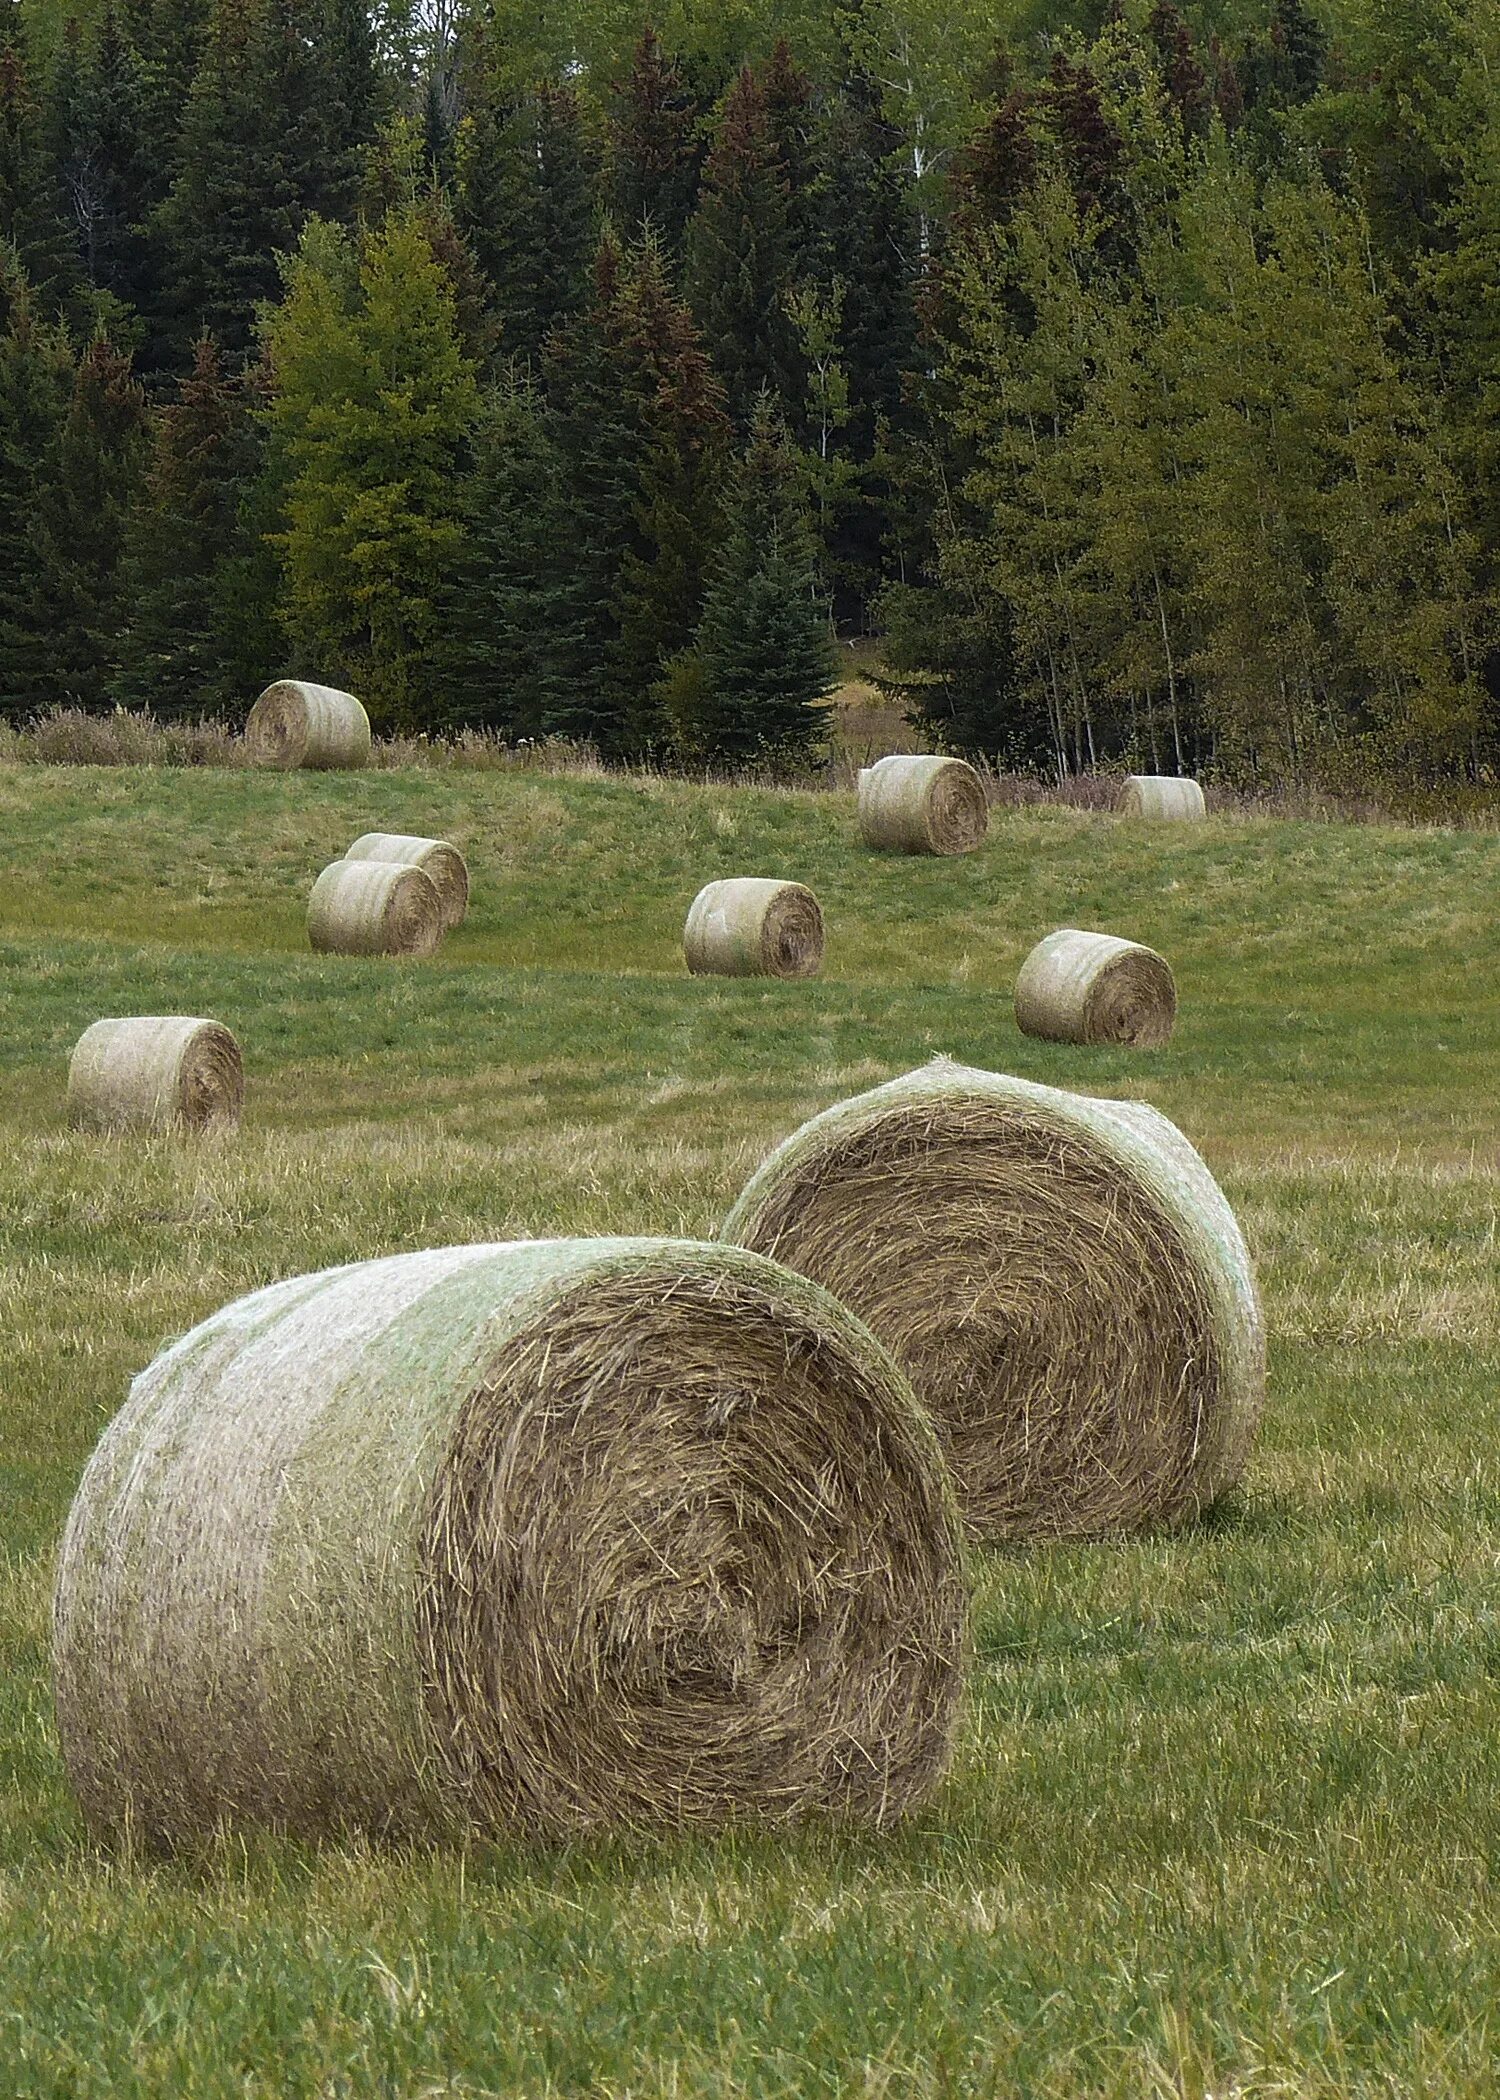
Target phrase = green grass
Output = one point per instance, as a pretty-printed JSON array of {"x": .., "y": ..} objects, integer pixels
[{"x": 1226, "y": 1815}]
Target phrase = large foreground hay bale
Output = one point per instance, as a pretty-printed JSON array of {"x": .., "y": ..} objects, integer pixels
[
  {"x": 1094, "y": 988},
  {"x": 1060, "y": 1277},
  {"x": 1165, "y": 795},
  {"x": 442, "y": 863},
  {"x": 922, "y": 805},
  {"x": 542, "y": 1537},
  {"x": 374, "y": 907},
  {"x": 294, "y": 723},
  {"x": 751, "y": 926},
  {"x": 154, "y": 1071}
]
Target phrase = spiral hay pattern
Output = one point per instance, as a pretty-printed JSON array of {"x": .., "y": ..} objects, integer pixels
[
  {"x": 538, "y": 1538},
  {"x": 295, "y": 723},
  {"x": 1162, "y": 795},
  {"x": 922, "y": 805},
  {"x": 750, "y": 926},
  {"x": 1061, "y": 1278},
  {"x": 443, "y": 864},
  {"x": 1093, "y": 988},
  {"x": 156, "y": 1071},
  {"x": 374, "y": 907}
]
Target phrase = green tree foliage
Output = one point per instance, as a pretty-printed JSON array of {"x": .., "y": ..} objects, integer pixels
[
  {"x": 372, "y": 406},
  {"x": 656, "y": 144},
  {"x": 763, "y": 655},
  {"x": 33, "y": 225},
  {"x": 101, "y": 152},
  {"x": 36, "y": 382}
]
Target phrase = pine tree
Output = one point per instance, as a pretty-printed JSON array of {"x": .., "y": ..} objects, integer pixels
[
  {"x": 740, "y": 256},
  {"x": 764, "y": 659},
  {"x": 103, "y": 159},
  {"x": 1185, "y": 81},
  {"x": 185, "y": 549},
  {"x": 656, "y": 148},
  {"x": 32, "y": 221},
  {"x": 373, "y": 407}
]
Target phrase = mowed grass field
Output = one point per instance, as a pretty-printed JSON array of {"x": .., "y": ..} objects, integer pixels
[{"x": 1225, "y": 1817}]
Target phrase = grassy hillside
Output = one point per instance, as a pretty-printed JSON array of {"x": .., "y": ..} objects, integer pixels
[{"x": 1227, "y": 1809}]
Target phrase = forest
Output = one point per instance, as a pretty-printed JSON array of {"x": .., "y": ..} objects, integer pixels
[{"x": 1131, "y": 372}]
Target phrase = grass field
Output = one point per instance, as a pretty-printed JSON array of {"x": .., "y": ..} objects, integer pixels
[{"x": 1226, "y": 1814}]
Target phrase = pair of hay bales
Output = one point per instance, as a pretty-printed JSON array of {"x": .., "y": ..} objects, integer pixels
[
  {"x": 550, "y": 1537},
  {"x": 391, "y": 894}
]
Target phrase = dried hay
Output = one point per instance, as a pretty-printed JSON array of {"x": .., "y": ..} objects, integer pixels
[
  {"x": 156, "y": 1071},
  {"x": 750, "y": 926},
  {"x": 374, "y": 907},
  {"x": 1164, "y": 795},
  {"x": 1094, "y": 988},
  {"x": 1061, "y": 1278},
  {"x": 294, "y": 723},
  {"x": 542, "y": 1538},
  {"x": 443, "y": 863},
  {"x": 922, "y": 805}
]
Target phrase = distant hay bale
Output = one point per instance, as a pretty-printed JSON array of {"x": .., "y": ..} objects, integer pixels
[
  {"x": 1164, "y": 795},
  {"x": 540, "y": 1538},
  {"x": 1061, "y": 1278},
  {"x": 435, "y": 857},
  {"x": 156, "y": 1071},
  {"x": 922, "y": 805},
  {"x": 1093, "y": 988},
  {"x": 295, "y": 724},
  {"x": 750, "y": 926},
  {"x": 374, "y": 907}
]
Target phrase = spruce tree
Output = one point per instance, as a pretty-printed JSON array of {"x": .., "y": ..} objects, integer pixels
[
  {"x": 103, "y": 160},
  {"x": 32, "y": 221},
  {"x": 740, "y": 246},
  {"x": 36, "y": 383},
  {"x": 185, "y": 548},
  {"x": 764, "y": 658},
  {"x": 656, "y": 147}
]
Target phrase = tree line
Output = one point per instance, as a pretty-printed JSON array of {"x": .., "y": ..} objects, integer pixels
[{"x": 1133, "y": 374}]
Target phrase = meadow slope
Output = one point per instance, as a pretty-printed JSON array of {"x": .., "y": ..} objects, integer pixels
[{"x": 1226, "y": 1815}]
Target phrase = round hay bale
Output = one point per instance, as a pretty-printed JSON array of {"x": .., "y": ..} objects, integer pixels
[
  {"x": 296, "y": 724},
  {"x": 538, "y": 1538},
  {"x": 374, "y": 907},
  {"x": 435, "y": 857},
  {"x": 1061, "y": 1278},
  {"x": 1164, "y": 795},
  {"x": 750, "y": 926},
  {"x": 1093, "y": 988},
  {"x": 156, "y": 1071},
  {"x": 922, "y": 805}
]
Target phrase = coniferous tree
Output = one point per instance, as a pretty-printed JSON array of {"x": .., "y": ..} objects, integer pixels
[
  {"x": 656, "y": 147},
  {"x": 741, "y": 255},
  {"x": 185, "y": 551},
  {"x": 36, "y": 382},
  {"x": 32, "y": 220},
  {"x": 763, "y": 654},
  {"x": 372, "y": 410},
  {"x": 102, "y": 155}
]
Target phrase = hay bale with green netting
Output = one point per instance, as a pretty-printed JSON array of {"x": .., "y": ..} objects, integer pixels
[
  {"x": 1060, "y": 1277},
  {"x": 156, "y": 1072},
  {"x": 922, "y": 805},
  {"x": 541, "y": 1538},
  {"x": 752, "y": 926},
  {"x": 1167, "y": 796},
  {"x": 295, "y": 723},
  {"x": 442, "y": 863},
  {"x": 1079, "y": 987},
  {"x": 374, "y": 907}
]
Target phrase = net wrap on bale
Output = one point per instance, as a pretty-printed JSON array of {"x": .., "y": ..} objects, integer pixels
[
  {"x": 1079, "y": 987},
  {"x": 922, "y": 805},
  {"x": 753, "y": 926},
  {"x": 1060, "y": 1277},
  {"x": 1164, "y": 795},
  {"x": 535, "y": 1538},
  {"x": 156, "y": 1071},
  {"x": 442, "y": 863},
  {"x": 295, "y": 723},
  {"x": 374, "y": 907}
]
